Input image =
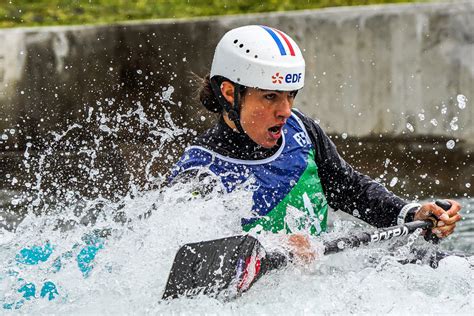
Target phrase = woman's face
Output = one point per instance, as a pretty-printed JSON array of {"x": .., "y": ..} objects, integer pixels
[{"x": 264, "y": 113}]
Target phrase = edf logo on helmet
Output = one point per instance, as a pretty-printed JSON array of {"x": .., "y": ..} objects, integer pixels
[
  {"x": 278, "y": 78},
  {"x": 289, "y": 78}
]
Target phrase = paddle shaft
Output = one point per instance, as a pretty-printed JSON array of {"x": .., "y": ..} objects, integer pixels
[
  {"x": 387, "y": 233},
  {"x": 365, "y": 238},
  {"x": 275, "y": 260}
]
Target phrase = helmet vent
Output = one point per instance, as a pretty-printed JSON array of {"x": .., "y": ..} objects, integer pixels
[
  {"x": 247, "y": 51},
  {"x": 241, "y": 45},
  {"x": 256, "y": 56},
  {"x": 235, "y": 41}
]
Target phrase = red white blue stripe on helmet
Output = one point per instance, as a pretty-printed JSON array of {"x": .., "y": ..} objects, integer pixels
[{"x": 273, "y": 32}]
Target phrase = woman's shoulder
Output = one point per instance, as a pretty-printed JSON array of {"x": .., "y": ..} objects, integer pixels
[
  {"x": 304, "y": 118},
  {"x": 210, "y": 137},
  {"x": 311, "y": 125}
]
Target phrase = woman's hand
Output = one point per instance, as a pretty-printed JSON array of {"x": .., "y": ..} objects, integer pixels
[
  {"x": 446, "y": 219},
  {"x": 301, "y": 248}
]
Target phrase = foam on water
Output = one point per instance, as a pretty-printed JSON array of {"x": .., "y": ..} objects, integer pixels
[{"x": 130, "y": 272}]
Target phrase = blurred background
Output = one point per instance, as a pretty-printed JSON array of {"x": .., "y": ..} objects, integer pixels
[{"x": 43, "y": 12}]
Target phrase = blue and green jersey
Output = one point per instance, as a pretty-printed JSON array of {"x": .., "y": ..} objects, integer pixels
[{"x": 287, "y": 191}]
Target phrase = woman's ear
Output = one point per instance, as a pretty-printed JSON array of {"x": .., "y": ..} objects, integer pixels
[{"x": 227, "y": 90}]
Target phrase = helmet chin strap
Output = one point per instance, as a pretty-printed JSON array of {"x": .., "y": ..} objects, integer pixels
[{"x": 232, "y": 111}]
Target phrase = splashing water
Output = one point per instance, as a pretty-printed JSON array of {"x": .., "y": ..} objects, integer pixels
[
  {"x": 130, "y": 272},
  {"x": 450, "y": 144},
  {"x": 453, "y": 124},
  {"x": 462, "y": 100},
  {"x": 96, "y": 253}
]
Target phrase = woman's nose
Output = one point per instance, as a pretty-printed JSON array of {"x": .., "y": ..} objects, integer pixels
[{"x": 284, "y": 108}]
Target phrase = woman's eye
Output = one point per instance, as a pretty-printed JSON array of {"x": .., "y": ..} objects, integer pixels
[{"x": 270, "y": 96}]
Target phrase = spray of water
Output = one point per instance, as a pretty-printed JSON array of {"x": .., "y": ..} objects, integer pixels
[{"x": 94, "y": 244}]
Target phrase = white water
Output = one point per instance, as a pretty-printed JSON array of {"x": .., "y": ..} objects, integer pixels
[{"x": 130, "y": 273}]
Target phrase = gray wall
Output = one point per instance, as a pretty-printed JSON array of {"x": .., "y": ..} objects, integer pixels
[
  {"x": 371, "y": 70},
  {"x": 376, "y": 68}
]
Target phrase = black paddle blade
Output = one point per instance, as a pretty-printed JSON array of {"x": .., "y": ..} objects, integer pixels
[{"x": 223, "y": 267}]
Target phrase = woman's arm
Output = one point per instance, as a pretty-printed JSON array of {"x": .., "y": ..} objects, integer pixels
[{"x": 347, "y": 189}]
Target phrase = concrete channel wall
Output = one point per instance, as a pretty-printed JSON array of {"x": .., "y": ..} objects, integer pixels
[
  {"x": 393, "y": 71},
  {"x": 370, "y": 70}
]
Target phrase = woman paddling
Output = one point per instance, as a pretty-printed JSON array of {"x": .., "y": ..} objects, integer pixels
[{"x": 264, "y": 144}]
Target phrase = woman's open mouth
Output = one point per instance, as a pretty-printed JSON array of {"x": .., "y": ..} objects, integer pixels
[{"x": 275, "y": 131}]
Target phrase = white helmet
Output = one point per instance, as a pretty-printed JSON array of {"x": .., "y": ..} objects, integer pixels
[{"x": 259, "y": 56}]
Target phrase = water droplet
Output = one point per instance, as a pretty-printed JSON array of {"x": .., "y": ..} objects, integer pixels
[
  {"x": 450, "y": 144},
  {"x": 393, "y": 182},
  {"x": 203, "y": 118},
  {"x": 410, "y": 127},
  {"x": 4, "y": 136},
  {"x": 461, "y": 101},
  {"x": 468, "y": 185},
  {"x": 453, "y": 124},
  {"x": 344, "y": 135},
  {"x": 421, "y": 116},
  {"x": 105, "y": 128},
  {"x": 139, "y": 71},
  {"x": 434, "y": 122},
  {"x": 341, "y": 245}
]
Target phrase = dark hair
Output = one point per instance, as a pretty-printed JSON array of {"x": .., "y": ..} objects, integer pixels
[{"x": 206, "y": 95}]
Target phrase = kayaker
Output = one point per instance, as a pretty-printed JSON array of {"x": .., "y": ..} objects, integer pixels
[{"x": 263, "y": 143}]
